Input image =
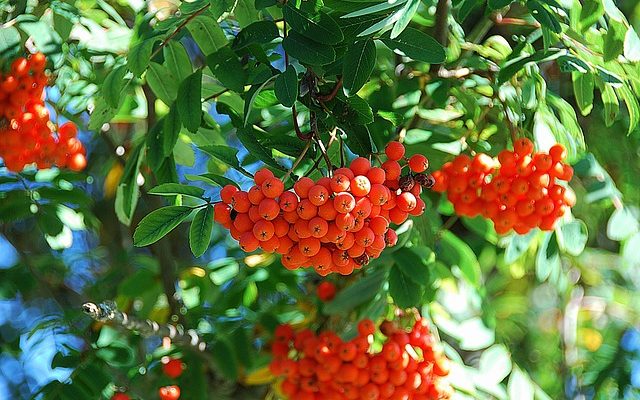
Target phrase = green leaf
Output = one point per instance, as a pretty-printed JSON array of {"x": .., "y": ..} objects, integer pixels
[
  {"x": 572, "y": 237},
  {"x": 319, "y": 27},
  {"x": 512, "y": 66},
  {"x": 495, "y": 363},
  {"x": 417, "y": 45},
  {"x": 307, "y": 51},
  {"x": 405, "y": 292},
  {"x": 611, "y": 104},
  {"x": 158, "y": 223},
  {"x": 406, "y": 14},
  {"x": 632, "y": 45},
  {"x": 140, "y": 55},
  {"x": 466, "y": 7},
  {"x": 9, "y": 41},
  {"x": 544, "y": 16},
  {"x": 171, "y": 125},
  {"x": 359, "y": 140},
  {"x": 200, "y": 231},
  {"x": 358, "y": 111},
  {"x": 113, "y": 86},
  {"x": 177, "y": 60},
  {"x": 632, "y": 106},
  {"x": 359, "y": 61},
  {"x": 128, "y": 190},
  {"x": 154, "y": 146},
  {"x": 548, "y": 258},
  {"x": 454, "y": 252},
  {"x": 622, "y": 224},
  {"x": 497, "y": 4},
  {"x": 592, "y": 11},
  {"x": 359, "y": 293},
  {"x": 101, "y": 114},
  {"x": 259, "y": 32},
  {"x": 374, "y": 9},
  {"x": 583, "y": 86},
  {"x": 212, "y": 179},
  {"x": 225, "y": 359},
  {"x": 226, "y": 154},
  {"x": 226, "y": 67},
  {"x": 286, "y": 87},
  {"x": 162, "y": 82},
  {"x": 252, "y": 97},
  {"x": 207, "y": 34},
  {"x": 189, "y": 101},
  {"x": 248, "y": 139},
  {"x": 172, "y": 189},
  {"x": 614, "y": 40},
  {"x": 413, "y": 264},
  {"x": 520, "y": 386}
]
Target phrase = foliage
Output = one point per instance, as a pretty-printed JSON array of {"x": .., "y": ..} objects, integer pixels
[{"x": 176, "y": 100}]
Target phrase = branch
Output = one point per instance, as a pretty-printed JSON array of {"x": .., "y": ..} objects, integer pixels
[
  {"x": 297, "y": 161},
  {"x": 177, "y": 30},
  {"x": 216, "y": 95},
  {"x": 107, "y": 312},
  {"x": 331, "y": 95},
  {"x": 441, "y": 28}
]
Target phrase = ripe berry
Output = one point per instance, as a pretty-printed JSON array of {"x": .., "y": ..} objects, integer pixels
[
  {"x": 418, "y": 163},
  {"x": 120, "y": 396},
  {"x": 173, "y": 368},
  {"x": 169, "y": 392},
  {"x": 326, "y": 291},
  {"x": 394, "y": 151}
]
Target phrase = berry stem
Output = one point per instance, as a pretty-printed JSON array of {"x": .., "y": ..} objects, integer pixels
[{"x": 297, "y": 161}]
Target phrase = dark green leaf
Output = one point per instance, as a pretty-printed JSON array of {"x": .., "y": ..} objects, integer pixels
[
  {"x": 467, "y": 7},
  {"x": 360, "y": 292},
  {"x": 158, "y": 223},
  {"x": 171, "y": 125},
  {"x": 128, "y": 190},
  {"x": 358, "y": 111},
  {"x": 286, "y": 87},
  {"x": 544, "y": 16},
  {"x": 212, "y": 179},
  {"x": 113, "y": 86},
  {"x": 497, "y": 4},
  {"x": 247, "y": 137},
  {"x": 455, "y": 252},
  {"x": 319, "y": 27},
  {"x": 101, "y": 114},
  {"x": 189, "y": 101},
  {"x": 259, "y": 32},
  {"x": 227, "y": 69},
  {"x": 417, "y": 45},
  {"x": 200, "y": 231},
  {"x": 171, "y": 189},
  {"x": 405, "y": 292},
  {"x": 226, "y": 154},
  {"x": 632, "y": 107},
  {"x": 359, "y": 61},
  {"x": 177, "y": 60},
  {"x": 252, "y": 97},
  {"x": 225, "y": 359},
  {"x": 512, "y": 66},
  {"x": 413, "y": 264},
  {"x": 140, "y": 56},
  {"x": 307, "y": 51},
  {"x": 162, "y": 82},
  {"x": 154, "y": 146},
  {"x": 207, "y": 34},
  {"x": 611, "y": 104},
  {"x": 359, "y": 140},
  {"x": 406, "y": 14}
]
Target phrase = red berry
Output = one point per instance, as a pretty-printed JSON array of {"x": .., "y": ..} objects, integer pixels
[
  {"x": 173, "y": 368},
  {"x": 169, "y": 392},
  {"x": 418, "y": 163}
]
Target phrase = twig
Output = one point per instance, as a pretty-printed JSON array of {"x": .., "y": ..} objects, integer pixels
[
  {"x": 441, "y": 28},
  {"x": 297, "y": 161},
  {"x": 216, "y": 95},
  {"x": 334, "y": 92},
  {"x": 296, "y": 127},
  {"x": 107, "y": 312},
  {"x": 177, "y": 30},
  {"x": 498, "y": 19}
]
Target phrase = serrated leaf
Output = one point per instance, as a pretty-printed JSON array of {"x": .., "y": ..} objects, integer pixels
[
  {"x": 140, "y": 56},
  {"x": 158, "y": 223},
  {"x": 171, "y": 125},
  {"x": 227, "y": 69},
  {"x": 359, "y": 62},
  {"x": 207, "y": 33},
  {"x": 177, "y": 60},
  {"x": 307, "y": 51},
  {"x": 171, "y": 189},
  {"x": 286, "y": 87},
  {"x": 200, "y": 231},
  {"x": 405, "y": 292},
  {"x": 359, "y": 293},
  {"x": 417, "y": 45},
  {"x": 101, "y": 114},
  {"x": 583, "y": 86},
  {"x": 154, "y": 146},
  {"x": 319, "y": 27},
  {"x": 248, "y": 139},
  {"x": 359, "y": 140},
  {"x": 260, "y": 32},
  {"x": 212, "y": 179},
  {"x": 413, "y": 264},
  {"x": 358, "y": 111},
  {"x": 189, "y": 102},
  {"x": 162, "y": 82},
  {"x": 113, "y": 85}
]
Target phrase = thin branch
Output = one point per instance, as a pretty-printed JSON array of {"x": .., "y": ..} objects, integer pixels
[
  {"x": 498, "y": 19},
  {"x": 107, "y": 312},
  {"x": 334, "y": 92},
  {"x": 296, "y": 126},
  {"x": 297, "y": 161},
  {"x": 441, "y": 28},
  {"x": 216, "y": 95},
  {"x": 177, "y": 30}
]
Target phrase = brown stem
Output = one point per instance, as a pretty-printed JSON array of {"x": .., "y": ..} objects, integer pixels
[
  {"x": 441, "y": 28},
  {"x": 500, "y": 20},
  {"x": 177, "y": 30},
  {"x": 297, "y": 161},
  {"x": 296, "y": 127},
  {"x": 334, "y": 92}
]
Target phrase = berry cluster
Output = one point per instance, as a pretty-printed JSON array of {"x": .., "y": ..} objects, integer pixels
[
  {"x": 336, "y": 224},
  {"x": 518, "y": 191},
  {"x": 26, "y": 133},
  {"x": 315, "y": 367}
]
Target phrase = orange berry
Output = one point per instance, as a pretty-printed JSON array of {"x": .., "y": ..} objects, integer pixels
[
  {"x": 240, "y": 201},
  {"x": 392, "y": 170},
  {"x": 327, "y": 211},
  {"x": 345, "y": 221},
  {"x": 379, "y": 194},
  {"x": 269, "y": 209},
  {"x": 263, "y": 230},
  {"x": 360, "y": 166},
  {"x": 222, "y": 213},
  {"x": 376, "y": 175},
  {"x": 394, "y": 151},
  {"x": 227, "y": 192},
  {"x": 309, "y": 247},
  {"x": 326, "y": 291},
  {"x": 366, "y": 327},
  {"x": 406, "y": 201},
  {"x": 255, "y": 195},
  {"x": 523, "y": 147},
  {"x": 340, "y": 183},
  {"x": 272, "y": 187},
  {"x": 558, "y": 152},
  {"x": 243, "y": 222},
  {"x": 364, "y": 237},
  {"x": 169, "y": 392},
  {"x": 360, "y": 186},
  {"x": 318, "y": 195},
  {"x": 302, "y": 186},
  {"x": 173, "y": 368},
  {"x": 318, "y": 227},
  {"x": 20, "y": 67},
  {"x": 306, "y": 209},
  {"x": 418, "y": 163},
  {"x": 344, "y": 202},
  {"x": 262, "y": 175},
  {"x": 288, "y": 201},
  {"x": 77, "y": 162}
]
